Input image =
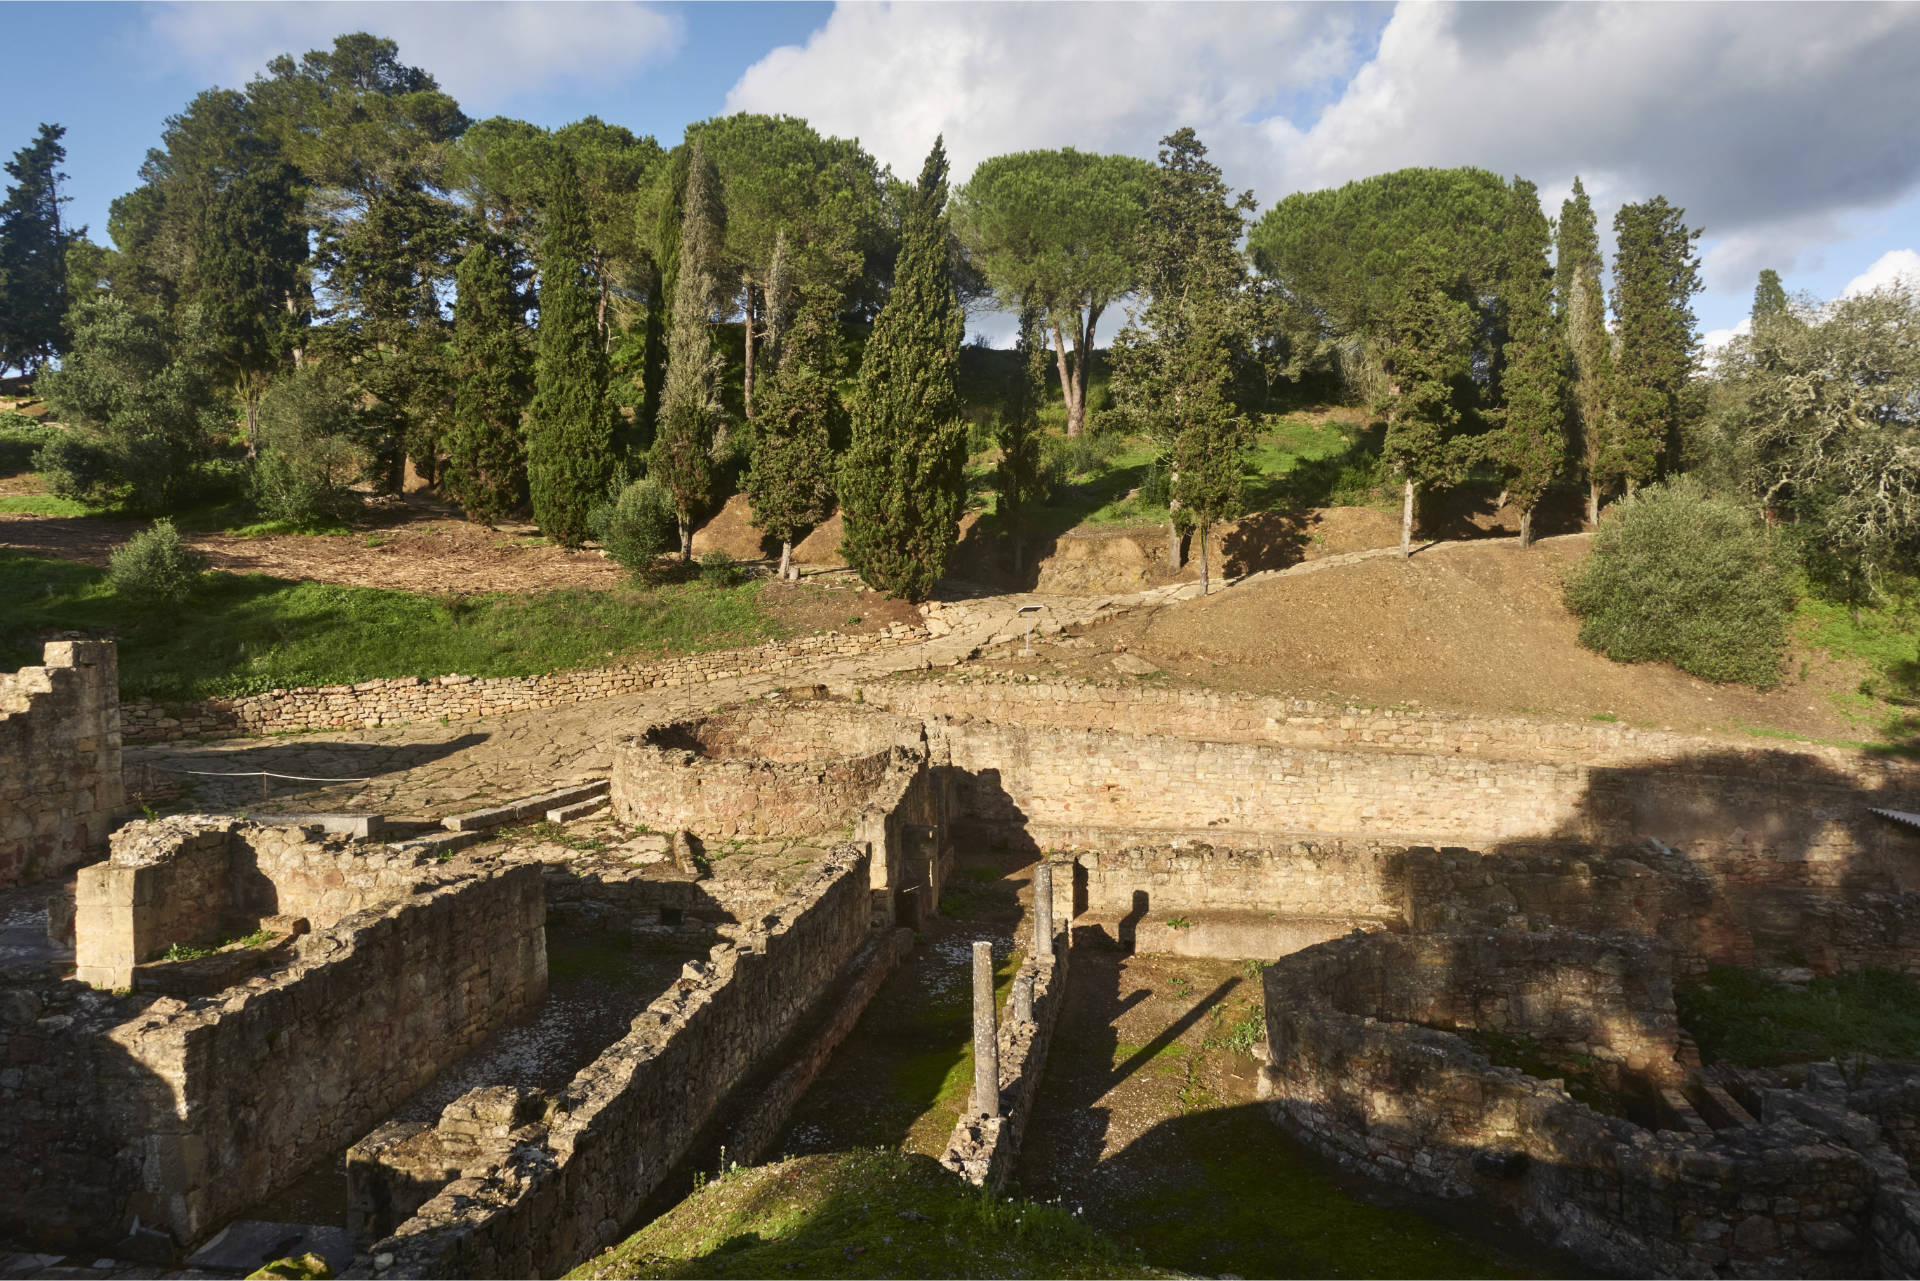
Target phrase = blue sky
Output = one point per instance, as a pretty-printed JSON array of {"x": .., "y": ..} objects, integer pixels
[{"x": 1784, "y": 129}]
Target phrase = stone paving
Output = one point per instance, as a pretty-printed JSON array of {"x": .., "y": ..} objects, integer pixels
[{"x": 428, "y": 770}]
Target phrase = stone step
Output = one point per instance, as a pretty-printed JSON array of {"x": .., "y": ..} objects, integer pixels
[
  {"x": 579, "y": 809},
  {"x": 361, "y": 827},
  {"x": 521, "y": 810}
]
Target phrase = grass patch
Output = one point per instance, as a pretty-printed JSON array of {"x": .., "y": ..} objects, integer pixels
[
  {"x": 191, "y": 952},
  {"x": 270, "y": 528},
  {"x": 870, "y": 1213},
  {"x": 43, "y": 505},
  {"x": 243, "y": 634},
  {"x": 1885, "y": 641},
  {"x": 1738, "y": 1016}
]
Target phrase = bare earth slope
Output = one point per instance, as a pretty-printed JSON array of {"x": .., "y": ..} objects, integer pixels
[{"x": 1476, "y": 627}]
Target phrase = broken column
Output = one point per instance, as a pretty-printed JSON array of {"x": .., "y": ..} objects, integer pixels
[
  {"x": 1043, "y": 911},
  {"x": 986, "y": 1038},
  {"x": 1023, "y": 996}
]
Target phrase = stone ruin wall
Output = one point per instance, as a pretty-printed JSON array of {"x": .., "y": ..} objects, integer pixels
[
  {"x": 194, "y": 879},
  {"x": 567, "y": 1186},
  {"x": 803, "y": 769},
  {"x": 1813, "y": 1192},
  {"x": 184, "y": 1112},
  {"x": 59, "y": 759},
  {"x": 463, "y": 698}
]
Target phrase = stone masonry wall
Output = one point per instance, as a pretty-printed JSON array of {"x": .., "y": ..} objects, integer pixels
[
  {"x": 230, "y": 1098},
  {"x": 461, "y": 698},
  {"x": 984, "y": 1150},
  {"x": 59, "y": 759},
  {"x": 1420, "y": 1107},
  {"x": 573, "y": 1183}
]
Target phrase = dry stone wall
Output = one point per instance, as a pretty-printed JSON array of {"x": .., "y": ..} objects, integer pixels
[
  {"x": 1354, "y": 1073},
  {"x": 573, "y": 1183},
  {"x": 59, "y": 759},
  {"x": 462, "y": 698},
  {"x": 233, "y": 1097}
]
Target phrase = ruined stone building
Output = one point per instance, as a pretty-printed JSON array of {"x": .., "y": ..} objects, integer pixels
[{"x": 1414, "y": 878}]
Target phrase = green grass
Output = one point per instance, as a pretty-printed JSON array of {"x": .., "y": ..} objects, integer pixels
[
  {"x": 190, "y": 952},
  {"x": 248, "y": 633},
  {"x": 1886, "y": 641},
  {"x": 1741, "y": 1017},
  {"x": 868, "y": 1213},
  {"x": 43, "y": 505}
]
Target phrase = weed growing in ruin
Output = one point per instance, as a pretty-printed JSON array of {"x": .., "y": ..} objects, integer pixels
[{"x": 1179, "y": 923}]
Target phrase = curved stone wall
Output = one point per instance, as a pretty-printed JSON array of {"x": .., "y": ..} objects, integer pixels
[{"x": 1359, "y": 1069}]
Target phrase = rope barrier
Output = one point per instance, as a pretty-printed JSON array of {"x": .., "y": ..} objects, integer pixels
[{"x": 263, "y": 773}]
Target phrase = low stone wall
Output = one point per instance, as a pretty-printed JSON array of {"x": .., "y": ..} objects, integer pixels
[
  {"x": 182, "y": 1113},
  {"x": 1421, "y": 1107},
  {"x": 984, "y": 1150},
  {"x": 191, "y": 878},
  {"x": 59, "y": 759},
  {"x": 462, "y": 698},
  {"x": 572, "y": 1184},
  {"x": 231, "y": 1099},
  {"x": 808, "y": 768},
  {"x": 1359, "y": 879},
  {"x": 1751, "y": 815}
]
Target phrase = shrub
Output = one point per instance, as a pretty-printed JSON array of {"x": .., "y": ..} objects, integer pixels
[
  {"x": 307, "y": 452},
  {"x": 1685, "y": 578},
  {"x": 20, "y": 436},
  {"x": 1064, "y": 457},
  {"x": 636, "y": 526},
  {"x": 156, "y": 566},
  {"x": 72, "y": 466},
  {"x": 718, "y": 569}
]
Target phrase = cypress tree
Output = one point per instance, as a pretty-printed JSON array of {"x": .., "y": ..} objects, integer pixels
[
  {"x": 1581, "y": 302},
  {"x": 690, "y": 414},
  {"x": 1018, "y": 477},
  {"x": 1769, "y": 298},
  {"x": 790, "y": 483},
  {"x": 903, "y": 485},
  {"x": 1655, "y": 275},
  {"x": 33, "y": 254},
  {"x": 570, "y": 431},
  {"x": 487, "y": 453},
  {"x": 1533, "y": 439},
  {"x": 1430, "y": 356}
]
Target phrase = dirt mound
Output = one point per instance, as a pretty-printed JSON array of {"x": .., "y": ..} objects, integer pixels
[
  {"x": 1478, "y": 627},
  {"x": 732, "y": 531}
]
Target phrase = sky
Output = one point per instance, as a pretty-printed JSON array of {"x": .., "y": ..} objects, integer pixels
[{"x": 1786, "y": 131}]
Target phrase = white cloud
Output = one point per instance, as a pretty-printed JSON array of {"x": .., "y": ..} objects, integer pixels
[
  {"x": 480, "y": 53},
  {"x": 999, "y": 78},
  {"x": 1896, "y": 266},
  {"x": 1767, "y": 123},
  {"x": 1714, "y": 339}
]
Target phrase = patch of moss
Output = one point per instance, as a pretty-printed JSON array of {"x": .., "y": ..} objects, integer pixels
[{"x": 1579, "y": 1074}]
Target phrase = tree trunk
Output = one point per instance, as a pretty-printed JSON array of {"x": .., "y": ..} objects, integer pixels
[
  {"x": 1526, "y": 529},
  {"x": 1406, "y": 520},
  {"x": 1074, "y": 407},
  {"x": 1593, "y": 503},
  {"x": 786, "y": 559},
  {"x": 250, "y": 395},
  {"x": 1082, "y": 364},
  {"x": 1175, "y": 559},
  {"x": 746, "y": 381},
  {"x": 1205, "y": 583},
  {"x": 686, "y": 540},
  {"x": 1630, "y": 489}
]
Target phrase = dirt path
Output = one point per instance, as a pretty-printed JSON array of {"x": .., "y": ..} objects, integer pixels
[{"x": 1146, "y": 1124}]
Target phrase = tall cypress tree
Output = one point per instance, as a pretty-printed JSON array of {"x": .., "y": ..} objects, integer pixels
[
  {"x": 1533, "y": 438},
  {"x": 1769, "y": 297},
  {"x": 1580, "y": 299},
  {"x": 1018, "y": 478},
  {"x": 33, "y": 254},
  {"x": 1433, "y": 343},
  {"x": 903, "y": 486},
  {"x": 570, "y": 431},
  {"x": 690, "y": 412},
  {"x": 790, "y": 483},
  {"x": 1656, "y": 273},
  {"x": 487, "y": 451}
]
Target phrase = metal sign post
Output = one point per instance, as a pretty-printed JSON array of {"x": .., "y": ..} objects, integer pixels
[{"x": 1029, "y": 611}]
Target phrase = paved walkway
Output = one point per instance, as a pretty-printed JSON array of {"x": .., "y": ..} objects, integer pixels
[{"x": 429, "y": 770}]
